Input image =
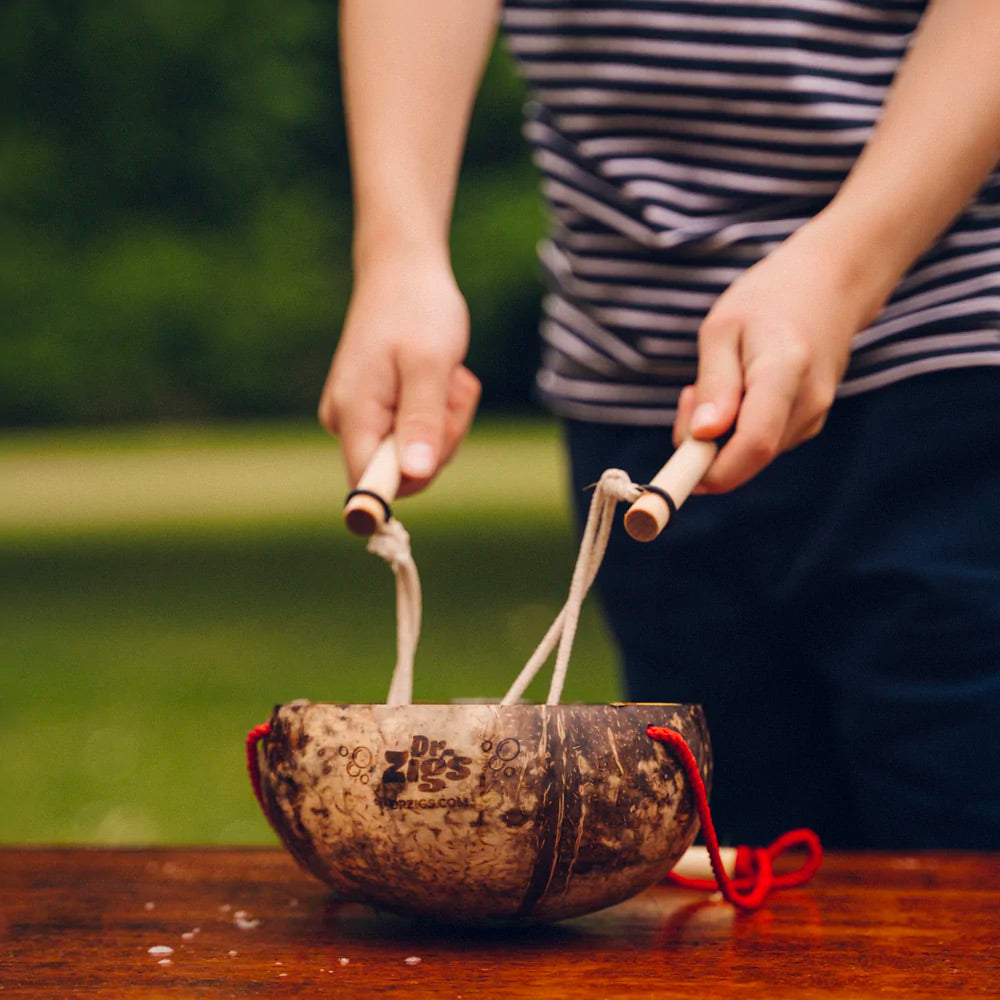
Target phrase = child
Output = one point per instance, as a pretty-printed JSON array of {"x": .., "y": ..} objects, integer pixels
[{"x": 756, "y": 209}]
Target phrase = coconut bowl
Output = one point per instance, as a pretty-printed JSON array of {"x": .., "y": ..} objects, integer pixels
[{"x": 481, "y": 812}]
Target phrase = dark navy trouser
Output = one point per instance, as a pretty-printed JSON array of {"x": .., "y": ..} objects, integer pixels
[{"x": 838, "y": 618}]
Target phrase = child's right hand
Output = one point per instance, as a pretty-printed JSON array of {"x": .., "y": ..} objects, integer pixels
[{"x": 398, "y": 368}]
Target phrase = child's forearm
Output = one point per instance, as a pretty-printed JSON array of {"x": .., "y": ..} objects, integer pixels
[
  {"x": 937, "y": 141},
  {"x": 410, "y": 73},
  {"x": 775, "y": 345}
]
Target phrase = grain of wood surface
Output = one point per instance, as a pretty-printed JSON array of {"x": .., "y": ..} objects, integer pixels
[{"x": 248, "y": 923}]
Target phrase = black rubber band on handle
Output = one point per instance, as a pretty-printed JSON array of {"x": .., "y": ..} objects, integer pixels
[
  {"x": 667, "y": 499},
  {"x": 370, "y": 493}
]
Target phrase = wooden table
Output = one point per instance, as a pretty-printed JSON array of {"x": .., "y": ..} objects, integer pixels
[{"x": 248, "y": 923}]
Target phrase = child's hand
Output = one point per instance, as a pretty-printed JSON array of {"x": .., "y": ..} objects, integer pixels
[
  {"x": 772, "y": 352},
  {"x": 398, "y": 368}
]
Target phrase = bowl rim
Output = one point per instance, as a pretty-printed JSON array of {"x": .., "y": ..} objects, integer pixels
[{"x": 491, "y": 704}]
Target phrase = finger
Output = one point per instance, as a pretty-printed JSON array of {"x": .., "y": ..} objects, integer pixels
[
  {"x": 760, "y": 430},
  {"x": 420, "y": 418},
  {"x": 463, "y": 399},
  {"x": 719, "y": 386},
  {"x": 360, "y": 433},
  {"x": 360, "y": 419},
  {"x": 325, "y": 411},
  {"x": 809, "y": 414},
  {"x": 801, "y": 429},
  {"x": 682, "y": 423}
]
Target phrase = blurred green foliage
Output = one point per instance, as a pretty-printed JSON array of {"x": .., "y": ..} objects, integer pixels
[
  {"x": 164, "y": 587},
  {"x": 175, "y": 217}
]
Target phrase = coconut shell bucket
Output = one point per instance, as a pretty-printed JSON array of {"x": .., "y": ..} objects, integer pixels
[{"x": 510, "y": 811}]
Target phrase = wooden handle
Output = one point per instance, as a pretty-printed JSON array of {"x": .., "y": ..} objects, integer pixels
[
  {"x": 649, "y": 515},
  {"x": 695, "y": 863},
  {"x": 367, "y": 507}
]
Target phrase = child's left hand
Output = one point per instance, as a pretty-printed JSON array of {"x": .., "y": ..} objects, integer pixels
[{"x": 773, "y": 350}]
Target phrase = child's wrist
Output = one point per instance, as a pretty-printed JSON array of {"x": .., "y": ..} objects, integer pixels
[
  {"x": 867, "y": 263},
  {"x": 392, "y": 246}
]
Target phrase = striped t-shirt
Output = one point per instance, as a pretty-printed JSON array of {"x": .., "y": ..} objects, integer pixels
[{"x": 680, "y": 141}]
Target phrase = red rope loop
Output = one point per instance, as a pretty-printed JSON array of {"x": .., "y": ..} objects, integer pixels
[
  {"x": 753, "y": 879},
  {"x": 253, "y": 766}
]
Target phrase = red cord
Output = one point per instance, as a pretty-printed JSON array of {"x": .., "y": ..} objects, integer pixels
[
  {"x": 753, "y": 879},
  {"x": 253, "y": 738}
]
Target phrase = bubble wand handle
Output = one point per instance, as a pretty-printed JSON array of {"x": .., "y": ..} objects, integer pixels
[
  {"x": 669, "y": 488},
  {"x": 367, "y": 506}
]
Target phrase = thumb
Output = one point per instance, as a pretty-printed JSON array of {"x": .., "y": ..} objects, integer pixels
[
  {"x": 719, "y": 386},
  {"x": 420, "y": 420}
]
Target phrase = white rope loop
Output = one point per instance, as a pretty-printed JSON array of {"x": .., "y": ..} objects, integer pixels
[
  {"x": 613, "y": 487},
  {"x": 392, "y": 543}
]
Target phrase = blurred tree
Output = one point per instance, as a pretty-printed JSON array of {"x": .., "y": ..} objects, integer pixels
[{"x": 175, "y": 217}]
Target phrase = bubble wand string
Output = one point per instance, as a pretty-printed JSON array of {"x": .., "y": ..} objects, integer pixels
[{"x": 368, "y": 512}]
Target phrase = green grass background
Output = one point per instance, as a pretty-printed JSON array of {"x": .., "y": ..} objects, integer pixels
[{"x": 161, "y": 588}]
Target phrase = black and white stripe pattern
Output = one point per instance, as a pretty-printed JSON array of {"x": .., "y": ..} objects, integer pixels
[{"x": 681, "y": 140}]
